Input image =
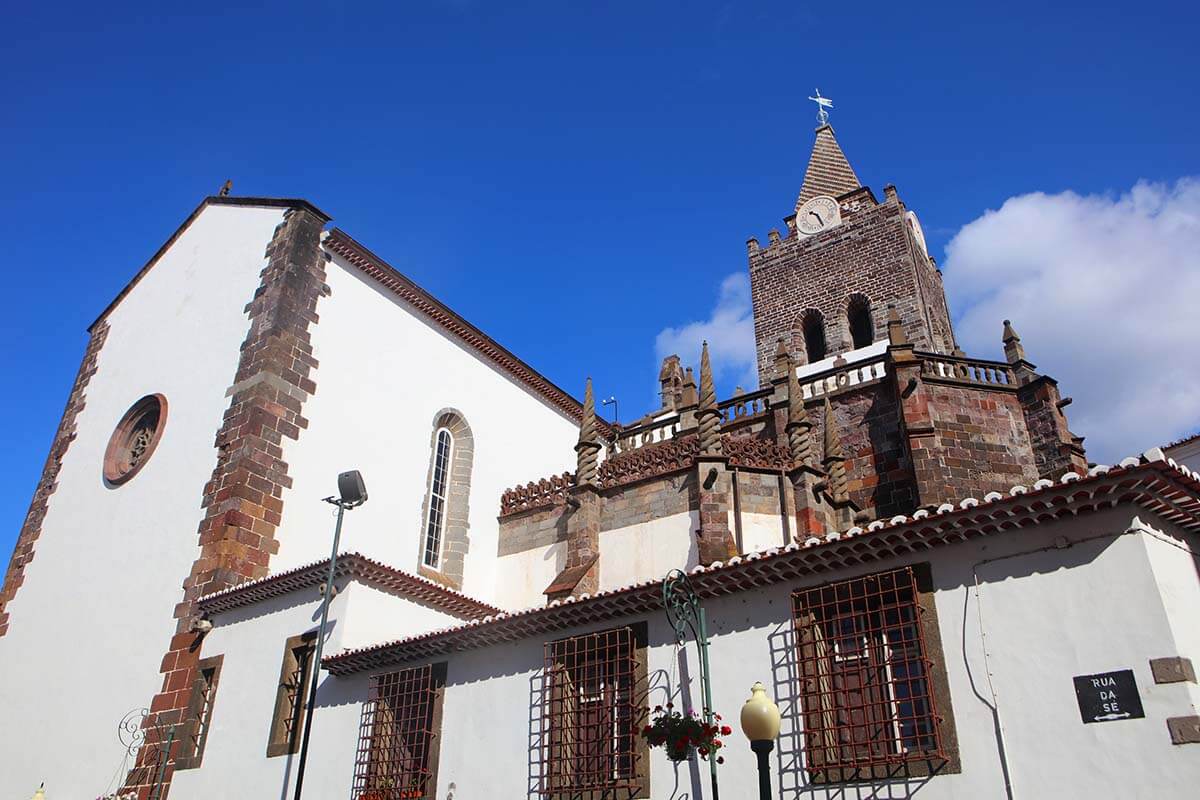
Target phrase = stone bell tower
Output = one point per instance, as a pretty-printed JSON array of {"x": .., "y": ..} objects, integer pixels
[{"x": 825, "y": 285}]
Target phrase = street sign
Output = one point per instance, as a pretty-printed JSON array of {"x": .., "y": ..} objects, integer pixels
[{"x": 1108, "y": 697}]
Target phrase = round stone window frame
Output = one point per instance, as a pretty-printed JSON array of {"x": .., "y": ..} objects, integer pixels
[{"x": 118, "y": 443}]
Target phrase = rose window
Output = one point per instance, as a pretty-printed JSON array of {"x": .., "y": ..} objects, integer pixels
[{"x": 134, "y": 440}]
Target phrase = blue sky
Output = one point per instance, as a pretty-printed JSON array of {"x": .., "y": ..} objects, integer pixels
[{"x": 534, "y": 163}]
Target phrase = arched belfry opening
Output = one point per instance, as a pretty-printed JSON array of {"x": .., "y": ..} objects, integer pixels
[
  {"x": 862, "y": 326},
  {"x": 812, "y": 325}
]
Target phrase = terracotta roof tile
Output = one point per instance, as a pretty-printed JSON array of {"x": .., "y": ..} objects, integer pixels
[
  {"x": 828, "y": 173},
  {"x": 353, "y": 565}
]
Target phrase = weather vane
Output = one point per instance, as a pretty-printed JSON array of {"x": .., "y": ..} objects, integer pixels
[{"x": 822, "y": 104}]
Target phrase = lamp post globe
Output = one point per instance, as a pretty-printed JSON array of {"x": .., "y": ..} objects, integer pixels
[{"x": 760, "y": 722}]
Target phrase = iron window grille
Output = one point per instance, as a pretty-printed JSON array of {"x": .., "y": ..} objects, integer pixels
[
  {"x": 866, "y": 683},
  {"x": 397, "y": 752},
  {"x": 291, "y": 696},
  {"x": 438, "y": 497},
  {"x": 199, "y": 713},
  {"x": 589, "y": 748}
]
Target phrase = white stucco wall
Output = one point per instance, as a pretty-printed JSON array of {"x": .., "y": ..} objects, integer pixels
[
  {"x": 523, "y": 576},
  {"x": 93, "y": 618},
  {"x": 648, "y": 550},
  {"x": 252, "y": 640},
  {"x": 1048, "y": 614},
  {"x": 384, "y": 375},
  {"x": 761, "y": 532}
]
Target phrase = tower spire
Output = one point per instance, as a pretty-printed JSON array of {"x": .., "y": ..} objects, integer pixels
[{"x": 828, "y": 173}]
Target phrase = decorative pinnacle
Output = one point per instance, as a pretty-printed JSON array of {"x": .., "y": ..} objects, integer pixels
[
  {"x": 783, "y": 359},
  {"x": 709, "y": 418},
  {"x": 1014, "y": 351},
  {"x": 834, "y": 458},
  {"x": 895, "y": 328},
  {"x": 587, "y": 450},
  {"x": 798, "y": 425},
  {"x": 689, "y": 388}
]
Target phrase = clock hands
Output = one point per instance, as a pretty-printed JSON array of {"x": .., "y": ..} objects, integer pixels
[{"x": 818, "y": 216}]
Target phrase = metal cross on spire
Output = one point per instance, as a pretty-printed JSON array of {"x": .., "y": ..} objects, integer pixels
[{"x": 822, "y": 104}]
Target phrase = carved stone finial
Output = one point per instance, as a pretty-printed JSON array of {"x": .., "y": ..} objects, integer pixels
[
  {"x": 226, "y": 188},
  {"x": 690, "y": 397},
  {"x": 587, "y": 450},
  {"x": 835, "y": 459},
  {"x": 670, "y": 379},
  {"x": 895, "y": 328},
  {"x": 1014, "y": 351},
  {"x": 783, "y": 359},
  {"x": 798, "y": 425},
  {"x": 708, "y": 417}
]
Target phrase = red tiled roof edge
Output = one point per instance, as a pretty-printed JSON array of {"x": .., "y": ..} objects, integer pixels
[
  {"x": 341, "y": 243},
  {"x": 1155, "y": 482},
  {"x": 353, "y": 565},
  {"x": 1184, "y": 440}
]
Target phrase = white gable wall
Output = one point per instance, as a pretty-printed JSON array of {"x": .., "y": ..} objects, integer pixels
[
  {"x": 93, "y": 617},
  {"x": 384, "y": 375}
]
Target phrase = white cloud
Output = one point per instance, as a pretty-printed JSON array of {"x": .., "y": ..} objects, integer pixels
[
  {"x": 730, "y": 335},
  {"x": 1103, "y": 292}
]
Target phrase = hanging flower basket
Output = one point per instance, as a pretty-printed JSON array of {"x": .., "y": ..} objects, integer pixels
[{"x": 680, "y": 734}]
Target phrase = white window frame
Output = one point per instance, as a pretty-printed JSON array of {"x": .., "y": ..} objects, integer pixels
[{"x": 442, "y": 499}]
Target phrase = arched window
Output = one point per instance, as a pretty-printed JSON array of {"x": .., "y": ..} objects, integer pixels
[
  {"x": 813, "y": 326},
  {"x": 435, "y": 519},
  {"x": 443, "y": 540},
  {"x": 862, "y": 327}
]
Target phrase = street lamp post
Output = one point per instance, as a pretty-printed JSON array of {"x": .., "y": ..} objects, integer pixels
[
  {"x": 352, "y": 493},
  {"x": 760, "y": 723}
]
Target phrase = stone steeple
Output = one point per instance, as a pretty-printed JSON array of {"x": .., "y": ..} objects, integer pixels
[{"x": 828, "y": 172}]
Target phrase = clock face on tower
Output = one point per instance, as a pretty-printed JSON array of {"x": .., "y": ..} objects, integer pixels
[{"x": 818, "y": 214}]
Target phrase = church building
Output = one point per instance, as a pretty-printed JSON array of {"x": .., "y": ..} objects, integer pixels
[{"x": 906, "y": 545}]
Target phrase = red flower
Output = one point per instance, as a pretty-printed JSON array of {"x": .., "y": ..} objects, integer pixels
[
  {"x": 658, "y": 708},
  {"x": 718, "y": 716},
  {"x": 703, "y": 751},
  {"x": 726, "y": 730},
  {"x": 670, "y": 706},
  {"x": 716, "y": 742}
]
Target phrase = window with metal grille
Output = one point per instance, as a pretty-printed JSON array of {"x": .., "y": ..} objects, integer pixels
[
  {"x": 590, "y": 705},
  {"x": 199, "y": 714},
  {"x": 291, "y": 696},
  {"x": 397, "y": 745},
  {"x": 438, "y": 495},
  {"x": 866, "y": 679}
]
